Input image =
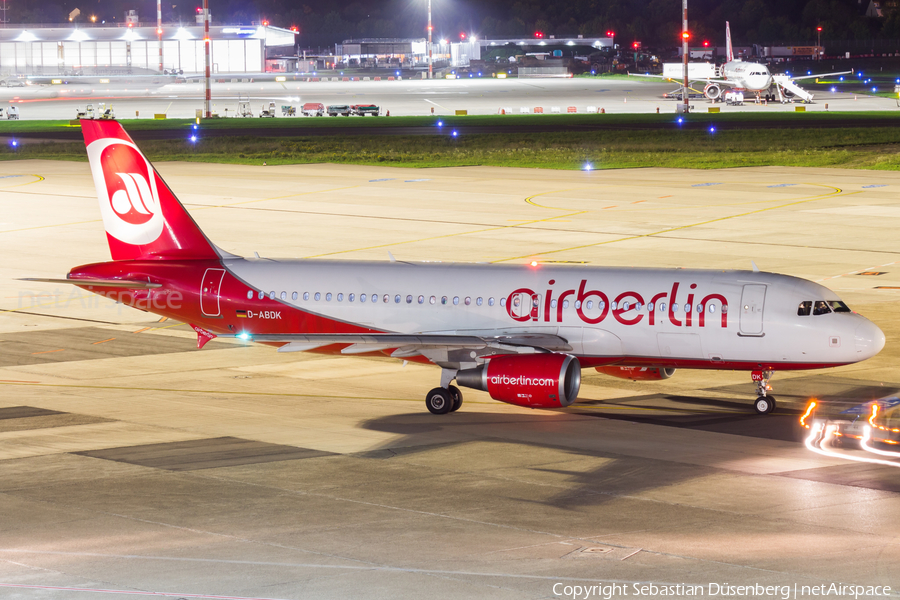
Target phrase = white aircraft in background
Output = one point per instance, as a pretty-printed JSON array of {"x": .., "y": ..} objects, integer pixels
[
  {"x": 742, "y": 76},
  {"x": 520, "y": 332}
]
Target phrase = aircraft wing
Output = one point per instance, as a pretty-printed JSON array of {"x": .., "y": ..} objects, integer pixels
[
  {"x": 820, "y": 75},
  {"x": 693, "y": 80},
  {"x": 409, "y": 343}
]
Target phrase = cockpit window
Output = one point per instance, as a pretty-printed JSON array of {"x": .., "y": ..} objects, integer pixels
[
  {"x": 838, "y": 306},
  {"x": 805, "y": 308},
  {"x": 821, "y": 308}
]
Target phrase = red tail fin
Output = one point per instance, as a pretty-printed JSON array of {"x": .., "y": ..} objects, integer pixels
[{"x": 142, "y": 217}]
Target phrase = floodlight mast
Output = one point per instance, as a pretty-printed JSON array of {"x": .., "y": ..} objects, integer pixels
[
  {"x": 430, "y": 60},
  {"x": 206, "y": 44},
  {"x": 685, "y": 51},
  {"x": 159, "y": 32}
]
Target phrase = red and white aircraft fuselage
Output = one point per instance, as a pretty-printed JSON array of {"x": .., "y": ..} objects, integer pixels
[{"x": 520, "y": 332}]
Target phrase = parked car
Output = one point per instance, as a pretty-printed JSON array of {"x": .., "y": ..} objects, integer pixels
[
  {"x": 12, "y": 82},
  {"x": 338, "y": 109}
]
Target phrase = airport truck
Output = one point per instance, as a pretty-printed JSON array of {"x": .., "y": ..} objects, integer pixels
[
  {"x": 365, "y": 109},
  {"x": 313, "y": 109},
  {"x": 335, "y": 110}
]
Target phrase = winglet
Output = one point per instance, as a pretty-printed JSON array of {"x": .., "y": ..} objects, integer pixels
[
  {"x": 391, "y": 256},
  {"x": 203, "y": 336},
  {"x": 755, "y": 268}
]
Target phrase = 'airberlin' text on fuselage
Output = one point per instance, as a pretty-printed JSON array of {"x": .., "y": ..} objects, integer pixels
[{"x": 628, "y": 308}]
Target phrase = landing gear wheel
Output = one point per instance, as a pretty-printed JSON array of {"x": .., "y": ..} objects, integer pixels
[
  {"x": 457, "y": 397},
  {"x": 764, "y": 405},
  {"x": 439, "y": 401}
]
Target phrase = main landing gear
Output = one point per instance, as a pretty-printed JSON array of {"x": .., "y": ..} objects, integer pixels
[
  {"x": 765, "y": 403},
  {"x": 441, "y": 401}
]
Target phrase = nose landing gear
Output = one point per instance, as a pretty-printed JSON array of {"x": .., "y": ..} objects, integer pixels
[{"x": 765, "y": 403}]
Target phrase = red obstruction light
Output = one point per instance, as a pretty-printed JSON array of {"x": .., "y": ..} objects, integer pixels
[
  {"x": 636, "y": 45},
  {"x": 610, "y": 34},
  {"x": 706, "y": 43},
  {"x": 295, "y": 29},
  {"x": 539, "y": 34},
  {"x": 265, "y": 23},
  {"x": 818, "y": 29},
  {"x": 462, "y": 35},
  {"x": 199, "y": 9},
  {"x": 686, "y": 35}
]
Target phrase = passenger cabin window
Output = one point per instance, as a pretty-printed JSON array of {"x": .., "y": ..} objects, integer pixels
[
  {"x": 293, "y": 295},
  {"x": 250, "y": 295},
  {"x": 306, "y": 295},
  {"x": 838, "y": 306},
  {"x": 805, "y": 308},
  {"x": 821, "y": 308}
]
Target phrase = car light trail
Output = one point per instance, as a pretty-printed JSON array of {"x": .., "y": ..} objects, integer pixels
[
  {"x": 808, "y": 412},
  {"x": 818, "y": 440},
  {"x": 867, "y": 435}
]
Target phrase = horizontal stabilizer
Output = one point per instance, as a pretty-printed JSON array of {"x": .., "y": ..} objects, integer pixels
[{"x": 131, "y": 284}]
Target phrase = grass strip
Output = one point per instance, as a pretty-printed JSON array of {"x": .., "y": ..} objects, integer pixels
[
  {"x": 861, "y": 148},
  {"x": 767, "y": 120}
]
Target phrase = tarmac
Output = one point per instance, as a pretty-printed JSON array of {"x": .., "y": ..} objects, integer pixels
[
  {"x": 132, "y": 463},
  {"x": 159, "y": 95}
]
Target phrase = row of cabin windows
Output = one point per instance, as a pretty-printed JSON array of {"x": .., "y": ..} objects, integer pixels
[
  {"x": 821, "y": 307},
  {"x": 479, "y": 301}
]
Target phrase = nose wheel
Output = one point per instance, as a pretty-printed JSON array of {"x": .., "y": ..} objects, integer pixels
[
  {"x": 764, "y": 405},
  {"x": 765, "y": 402}
]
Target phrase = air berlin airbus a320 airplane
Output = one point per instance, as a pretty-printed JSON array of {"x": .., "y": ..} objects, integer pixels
[{"x": 522, "y": 333}]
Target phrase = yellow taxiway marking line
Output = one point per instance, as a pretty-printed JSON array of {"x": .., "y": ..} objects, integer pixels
[
  {"x": 448, "y": 235},
  {"x": 857, "y": 271},
  {"x": 140, "y": 330},
  {"x": 102, "y": 341},
  {"x": 183, "y": 391},
  {"x": 671, "y": 229},
  {"x": 39, "y": 179},
  {"x": 205, "y": 206},
  {"x": 48, "y": 351}
]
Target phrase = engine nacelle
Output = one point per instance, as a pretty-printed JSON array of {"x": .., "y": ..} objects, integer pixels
[
  {"x": 712, "y": 91},
  {"x": 637, "y": 373},
  {"x": 532, "y": 380}
]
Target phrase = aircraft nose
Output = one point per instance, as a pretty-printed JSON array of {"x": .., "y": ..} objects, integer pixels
[{"x": 869, "y": 339}]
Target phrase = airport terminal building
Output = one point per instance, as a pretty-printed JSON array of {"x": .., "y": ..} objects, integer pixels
[{"x": 123, "y": 50}]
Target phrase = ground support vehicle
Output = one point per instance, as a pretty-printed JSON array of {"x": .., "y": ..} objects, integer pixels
[
  {"x": 313, "y": 109},
  {"x": 288, "y": 111},
  {"x": 335, "y": 110},
  {"x": 267, "y": 111},
  {"x": 365, "y": 109}
]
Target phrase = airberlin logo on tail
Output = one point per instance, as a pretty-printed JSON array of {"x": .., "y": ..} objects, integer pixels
[
  {"x": 126, "y": 186},
  {"x": 134, "y": 204}
]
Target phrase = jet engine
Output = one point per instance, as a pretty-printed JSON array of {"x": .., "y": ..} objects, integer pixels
[
  {"x": 532, "y": 380},
  {"x": 712, "y": 91},
  {"x": 637, "y": 373}
]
